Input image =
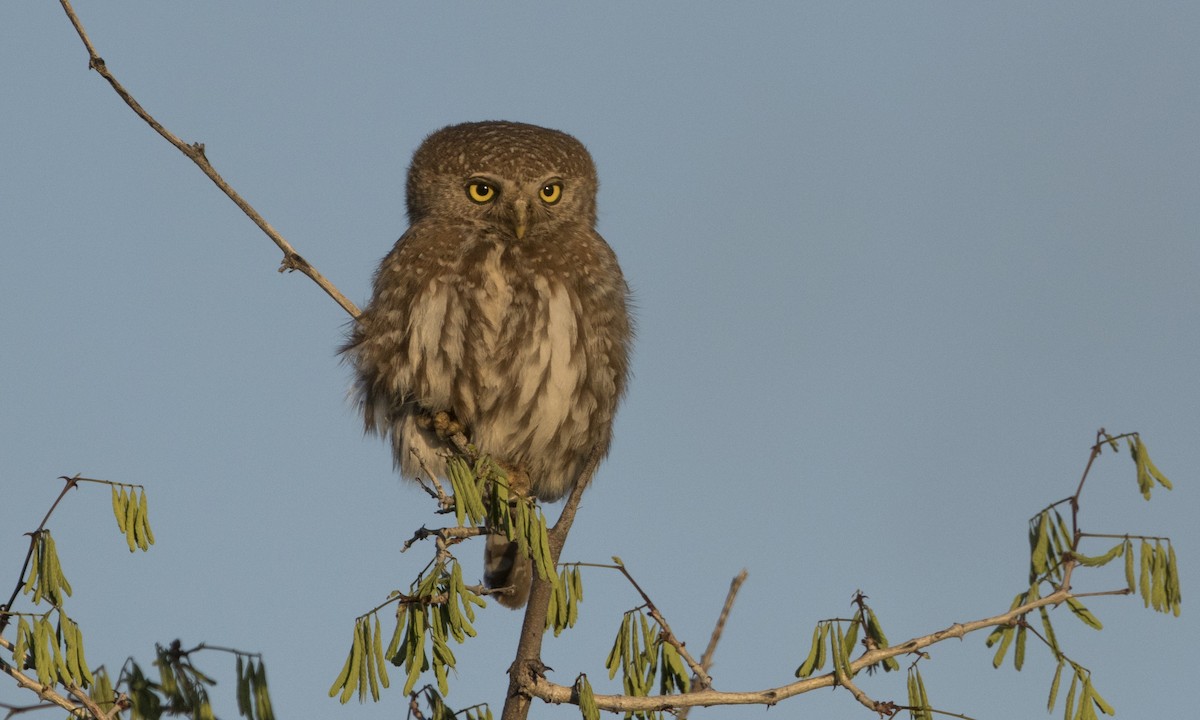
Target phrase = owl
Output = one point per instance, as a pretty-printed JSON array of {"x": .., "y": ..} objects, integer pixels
[{"x": 502, "y": 308}]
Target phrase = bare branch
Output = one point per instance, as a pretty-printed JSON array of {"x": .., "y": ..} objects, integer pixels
[
  {"x": 734, "y": 586},
  {"x": 195, "y": 152},
  {"x": 718, "y": 630}
]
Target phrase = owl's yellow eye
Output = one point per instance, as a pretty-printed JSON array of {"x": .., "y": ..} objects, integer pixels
[
  {"x": 550, "y": 192},
  {"x": 480, "y": 191}
]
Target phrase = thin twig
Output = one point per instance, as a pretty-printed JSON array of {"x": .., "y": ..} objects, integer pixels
[
  {"x": 735, "y": 585},
  {"x": 455, "y": 534},
  {"x": 445, "y": 504},
  {"x": 1126, "y": 536},
  {"x": 195, "y": 152},
  {"x": 707, "y": 658}
]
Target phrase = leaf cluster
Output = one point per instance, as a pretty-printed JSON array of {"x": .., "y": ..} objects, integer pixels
[
  {"x": 133, "y": 518},
  {"x": 440, "y": 607},
  {"x": 1088, "y": 701},
  {"x": 565, "y": 596},
  {"x": 1147, "y": 472},
  {"x": 181, "y": 688},
  {"x": 46, "y": 579},
  {"x": 1157, "y": 575},
  {"x": 1050, "y": 541},
  {"x": 641, "y": 652},
  {"x": 253, "y": 698},
  {"x": 831, "y": 641},
  {"x": 587, "y": 699},
  {"x": 918, "y": 699},
  {"x": 483, "y": 494},
  {"x": 1054, "y": 550},
  {"x": 53, "y": 650}
]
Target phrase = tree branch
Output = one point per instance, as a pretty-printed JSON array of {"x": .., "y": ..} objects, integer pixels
[
  {"x": 195, "y": 152},
  {"x": 554, "y": 693},
  {"x": 526, "y": 672}
]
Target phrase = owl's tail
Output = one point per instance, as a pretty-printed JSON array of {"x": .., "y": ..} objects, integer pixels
[{"x": 504, "y": 566}]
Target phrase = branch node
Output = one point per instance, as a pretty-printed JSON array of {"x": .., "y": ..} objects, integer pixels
[{"x": 292, "y": 261}]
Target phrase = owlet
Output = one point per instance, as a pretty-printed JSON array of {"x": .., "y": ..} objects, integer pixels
[{"x": 503, "y": 307}]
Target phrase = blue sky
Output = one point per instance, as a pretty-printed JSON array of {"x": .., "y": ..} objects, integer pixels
[{"x": 894, "y": 265}]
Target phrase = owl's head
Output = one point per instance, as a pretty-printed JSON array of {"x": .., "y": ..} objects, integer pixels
[{"x": 521, "y": 180}]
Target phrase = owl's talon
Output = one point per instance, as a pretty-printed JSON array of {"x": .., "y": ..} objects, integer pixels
[{"x": 445, "y": 425}]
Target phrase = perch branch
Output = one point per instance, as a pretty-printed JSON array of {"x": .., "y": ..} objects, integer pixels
[{"x": 527, "y": 669}]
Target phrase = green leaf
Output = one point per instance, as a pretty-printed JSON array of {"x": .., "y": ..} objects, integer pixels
[
  {"x": 245, "y": 709},
  {"x": 1070, "y": 704},
  {"x": 262, "y": 696},
  {"x": 841, "y": 655},
  {"x": 587, "y": 699},
  {"x": 1129, "y": 579},
  {"x": 1019, "y": 650},
  {"x": 118, "y": 505},
  {"x": 370, "y": 648},
  {"x": 1039, "y": 542},
  {"x": 1006, "y": 636},
  {"x": 1051, "y": 639},
  {"x": 810, "y": 663},
  {"x": 1101, "y": 560},
  {"x": 1084, "y": 614},
  {"x": 1147, "y": 560},
  {"x": 616, "y": 656},
  {"x": 354, "y": 675},
  {"x": 1100, "y": 702},
  {"x": 1054, "y": 686},
  {"x": 131, "y": 519},
  {"x": 1174, "y": 594},
  {"x": 1158, "y": 579},
  {"x": 25, "y": 640}
]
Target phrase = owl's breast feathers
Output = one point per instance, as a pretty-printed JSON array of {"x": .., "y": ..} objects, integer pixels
[{"x": 522, "y": 344}]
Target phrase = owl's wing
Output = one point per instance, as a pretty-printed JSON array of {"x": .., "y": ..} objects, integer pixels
[{"x": 407, "y": 346}]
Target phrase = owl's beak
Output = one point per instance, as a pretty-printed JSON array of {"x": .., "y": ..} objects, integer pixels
[{"x": 520, "y": 218}]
